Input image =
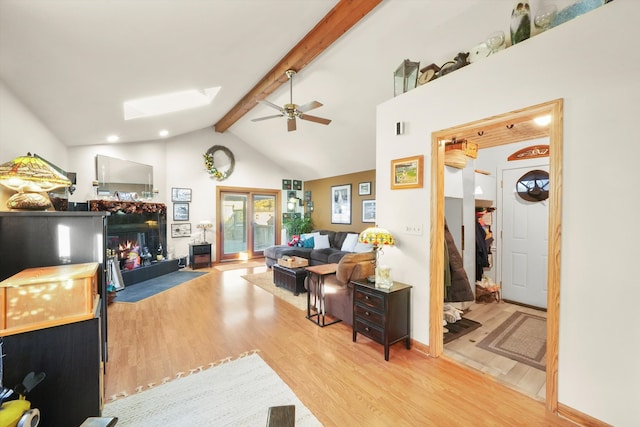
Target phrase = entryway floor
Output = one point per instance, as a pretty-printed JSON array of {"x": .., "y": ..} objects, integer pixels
[{"x": 521, "y": 377}]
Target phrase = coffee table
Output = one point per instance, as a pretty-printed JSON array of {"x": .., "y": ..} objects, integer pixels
[
  {"x": 319, "y": 272},
  {"x": 289, "y": 278}
]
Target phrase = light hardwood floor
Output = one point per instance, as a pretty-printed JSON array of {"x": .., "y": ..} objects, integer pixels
[
  {"x": 220, "y": 315},
  {"x": 515, "y": 375}
]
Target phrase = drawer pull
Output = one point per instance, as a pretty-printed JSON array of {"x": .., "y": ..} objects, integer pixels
[
  {"x": 366, "y": 328},
  {"x": 366, "y": 297},
  {"x": 366, "y": 313}
]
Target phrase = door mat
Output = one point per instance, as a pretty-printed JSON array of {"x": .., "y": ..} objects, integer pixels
[
  {"x": 459, "y": 328},
  {"x": 522, "y": 337}
]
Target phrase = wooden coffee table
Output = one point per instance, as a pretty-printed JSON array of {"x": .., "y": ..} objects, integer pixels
[{"x": 320, "y": 272}]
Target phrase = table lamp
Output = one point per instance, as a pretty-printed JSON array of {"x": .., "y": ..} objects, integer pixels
[
  {"x": 205, "y": 225},
  {"x": 32, "y": 177},
  {"x": 379, "y": 237}
]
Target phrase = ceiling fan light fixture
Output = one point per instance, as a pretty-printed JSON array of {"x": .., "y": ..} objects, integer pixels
[{"x": 291, "y": 110}]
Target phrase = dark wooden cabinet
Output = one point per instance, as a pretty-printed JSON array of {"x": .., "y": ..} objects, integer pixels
[
  {"x": 73, "y": 355},
  {"x": 200, "y": 255},
  {"x": 382, "y": 314}
]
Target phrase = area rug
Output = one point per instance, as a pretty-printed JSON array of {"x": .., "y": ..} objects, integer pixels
[
  {"x": 459, "y": 328},
  {"x": 522, "y": 337},
  {"x": 239, "y": 265},
  {"x": 233, "y": 393},
  {"x": 151, "y": 287},
  {"x": 265, "y": 281}
]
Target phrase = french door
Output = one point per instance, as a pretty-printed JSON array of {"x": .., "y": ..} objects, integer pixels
[{"x": 247, "y": 222}]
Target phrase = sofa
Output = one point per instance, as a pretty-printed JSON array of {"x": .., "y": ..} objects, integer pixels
[
  {"x": 338, "y": 288},
  {"x": 328, "y": 253}
]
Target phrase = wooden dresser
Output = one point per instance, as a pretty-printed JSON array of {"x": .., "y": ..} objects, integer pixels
[{"x": 382, "y": 314}]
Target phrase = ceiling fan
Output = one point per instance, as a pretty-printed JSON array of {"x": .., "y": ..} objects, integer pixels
[{"x": 291, "y": 110}]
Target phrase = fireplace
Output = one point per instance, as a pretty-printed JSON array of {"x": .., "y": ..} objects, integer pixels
[{"x": 137, "y": 237}]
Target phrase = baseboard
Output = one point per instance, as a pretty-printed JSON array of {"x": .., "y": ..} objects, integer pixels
[
  {"x": 580, "y": 418},
  {"x": 422, "y": 348}
]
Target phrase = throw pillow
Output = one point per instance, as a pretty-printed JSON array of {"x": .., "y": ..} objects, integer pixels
[
  {"x": 363, "y": 247},
  {"x": 321, "y": 242},
  {"x": 349, "y": 242},
  {"x": 305, "y": 236},
  {"x": 308, "y": 242}
]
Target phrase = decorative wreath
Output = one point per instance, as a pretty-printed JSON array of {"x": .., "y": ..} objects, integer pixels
[{"x": 214, "y": 172}]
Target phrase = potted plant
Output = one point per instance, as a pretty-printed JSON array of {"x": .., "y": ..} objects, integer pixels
[{"x": 298, "y": 225}]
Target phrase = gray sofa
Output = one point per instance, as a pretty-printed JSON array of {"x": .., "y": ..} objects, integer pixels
[{"x": 329, "y": 255}]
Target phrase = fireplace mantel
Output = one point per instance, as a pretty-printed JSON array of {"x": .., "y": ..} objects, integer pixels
[{"x": 127, "y": 207}]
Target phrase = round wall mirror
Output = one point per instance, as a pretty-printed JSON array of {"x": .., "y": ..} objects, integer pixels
[{"x": 533, "y": 186}]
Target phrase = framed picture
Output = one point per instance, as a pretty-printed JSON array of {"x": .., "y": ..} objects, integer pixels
[
  {"x": 297, "y": 185},
  {"x": 286, "y": 184},
  {"x": 368, "y": 211},
  {"x": 286, "y": 216},
  {"x": 181, "y": 230},
  {"x": 181, "y": 211},
  {"x": 307, "y": 195},
  {"x": 341, "y": 204},
  {"x": 114, "y": 276},
  {"x": 364, "y": 189},
  {"x": 180, "y": 194},
  {"x": 407, "y": 172}
]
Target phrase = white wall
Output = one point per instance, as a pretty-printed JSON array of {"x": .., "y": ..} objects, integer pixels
[
  {"x": 22, "y": 132},
  {"x": 178, "y": 162},
  {"x": 593, "y": 63}
]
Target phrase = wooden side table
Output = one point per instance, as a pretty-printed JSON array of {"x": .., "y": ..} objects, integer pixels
[
  {"x": 319, "y": 272},
  {"x": 382, "y": 314},
  {"x": 200, "y": 255}
]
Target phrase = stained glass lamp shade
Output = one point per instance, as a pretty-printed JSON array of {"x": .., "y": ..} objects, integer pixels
[
  {"x": 30, "y": 176},
  {"x": 378, "y": 237}
]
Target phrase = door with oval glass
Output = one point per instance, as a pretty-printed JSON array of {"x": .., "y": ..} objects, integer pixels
[{"x": 525, "y": 237}]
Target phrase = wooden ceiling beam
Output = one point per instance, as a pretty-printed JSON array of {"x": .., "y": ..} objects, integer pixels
[{"x": 334, "y": 24}]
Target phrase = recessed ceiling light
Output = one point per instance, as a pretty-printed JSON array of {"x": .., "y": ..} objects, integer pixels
[
  {"x": 168, "y": 103},
  {"x": 113, "y": 138},
  {"x": 543, "y": 120},
  {"x": 163, "y": 133}
]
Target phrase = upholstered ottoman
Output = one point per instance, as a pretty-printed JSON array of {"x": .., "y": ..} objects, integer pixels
[{"x": 290, "y": 278}]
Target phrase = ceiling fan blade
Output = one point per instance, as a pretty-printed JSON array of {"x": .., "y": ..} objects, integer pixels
[
  {"x": 272, "y": 105},
  {"x": 291, "y": 124},
  {"x": 266, "y": 117},
  {"x": 309, "y": 106},
  {"x": 314, "y": 119}
]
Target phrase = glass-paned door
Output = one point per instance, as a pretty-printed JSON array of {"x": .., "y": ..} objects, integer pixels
[{"x": 247, "y": 223}]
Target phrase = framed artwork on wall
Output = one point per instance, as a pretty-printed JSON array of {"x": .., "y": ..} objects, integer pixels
[
  {"x": 181, "y": 230},
  {"x": 364, "y": 189},
  {"x": 181, "y": 211},
  {"x": 286, "y": 184},
  {"x": 297, "y": 185},
  {"x": 180, "y": 194},
  {"x": 407, "y": 172},
  {"x": 368, "y": 211},
  {"x": 341, "y": 204}
]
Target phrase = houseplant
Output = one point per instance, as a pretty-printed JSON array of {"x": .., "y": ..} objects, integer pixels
[{"x": 297, "y": 225}]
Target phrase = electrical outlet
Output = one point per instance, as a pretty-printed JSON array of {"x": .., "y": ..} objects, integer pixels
[{"x": 415, "y": 229}]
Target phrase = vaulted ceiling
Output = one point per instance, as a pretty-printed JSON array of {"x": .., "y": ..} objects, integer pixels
[{"x": 73, "y": 63}]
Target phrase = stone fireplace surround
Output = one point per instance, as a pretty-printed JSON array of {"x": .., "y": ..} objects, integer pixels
[{"x": 142, "y": 223}]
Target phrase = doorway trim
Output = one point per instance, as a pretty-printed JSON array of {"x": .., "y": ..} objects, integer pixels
[{"x": 436, "y": 292}]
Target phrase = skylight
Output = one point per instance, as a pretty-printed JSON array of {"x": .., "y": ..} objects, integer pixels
[{"x": 168, "y": 103}]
